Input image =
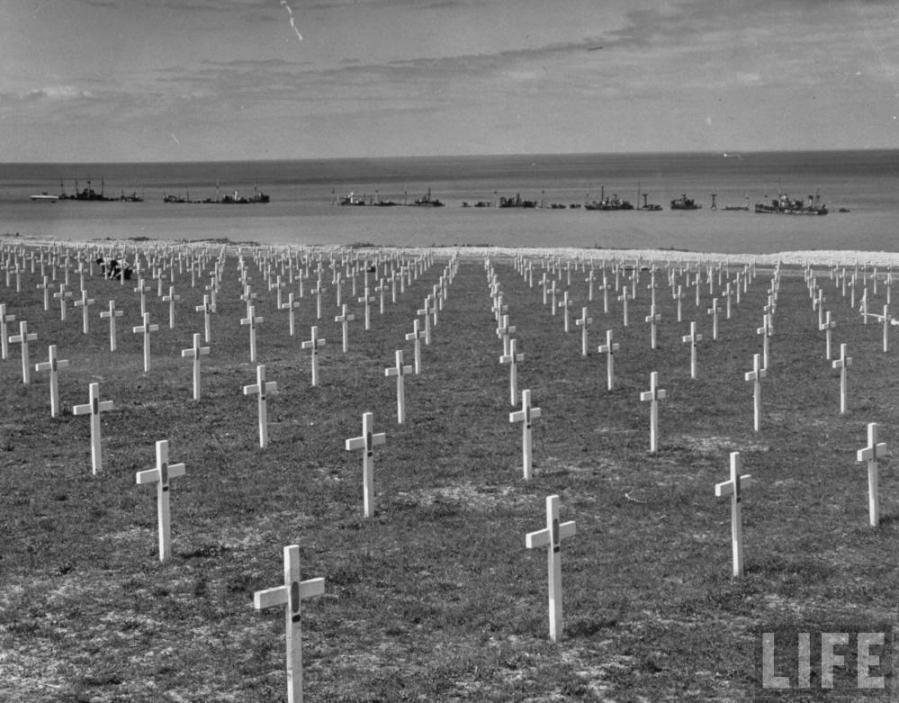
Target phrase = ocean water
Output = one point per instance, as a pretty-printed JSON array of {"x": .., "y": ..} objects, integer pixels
[{"x": 303, "y": 207}]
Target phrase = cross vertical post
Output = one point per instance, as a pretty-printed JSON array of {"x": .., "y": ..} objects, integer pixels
[
  {"x": 526, "y": 416},
  {"x": 161, "y": 476},
  {"x": 870, "y": 454},
  {"x": 367, "y": 442},
  {"x": 734, "y": 488}
]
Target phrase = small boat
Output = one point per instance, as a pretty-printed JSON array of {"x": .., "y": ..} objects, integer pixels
[
  {"x": 684, "y": 203},
  {"x": 44, "y": 197}
]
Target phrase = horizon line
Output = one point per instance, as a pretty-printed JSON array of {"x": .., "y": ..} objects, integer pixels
[{"x": 726, "y": 153}]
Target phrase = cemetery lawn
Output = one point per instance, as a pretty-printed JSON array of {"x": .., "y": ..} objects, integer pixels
[{"x": 436, "y": 598}]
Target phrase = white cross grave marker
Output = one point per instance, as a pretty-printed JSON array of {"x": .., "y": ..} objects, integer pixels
[
  {"x": 399, "y": 370},
  {"x": 262, "y": 389},
  {"x": 290, "y": 595},
  {"x": 4, "y": 331},
  {"x": 145, "y": 329},
  {"x": 84, "y": 304},
  {"x": 367, "y": 442},
  {"x": 653, "y": 395},
  {"x": 194, "y": 353},
  {"x": 512, "y": 358},
  {"x": 207, "y": 309},
  {"x": 842, "y": 364},
  {"x": 251, "y": 321},
  {"x": 692, "y": 338},
  {"x": 734, "y": 488},
  {"x": 415, "y": 336},
  {"x": 583, "y": 321},
  {"x": 826, "y": 327},
  {"x": 526, "y": 416},
  {"x": 23, "y": 338},
  {"x": 756, "y": 375},
  {"x": 344, "y": 319},
  {"x": 551, "y": 537},
  {"x": 291, "y": 305},
  {"x": 112, "y": 314},
  {"x": 53, "y": 364},
  {"x": 313, "y": 344},
  {"x": 171, "y": 299},
  {"x": 871, "y": 453},
  {"x": 94, "y": 407},
  {"x": 161, "y": 476},
  {"x": 609, "y": 349}
]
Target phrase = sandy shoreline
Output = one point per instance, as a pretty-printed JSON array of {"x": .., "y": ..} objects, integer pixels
[{"x": 881, "y": 259}]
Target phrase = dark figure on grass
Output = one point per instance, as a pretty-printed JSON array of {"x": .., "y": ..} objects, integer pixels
[{"x": 114, "y": 269}]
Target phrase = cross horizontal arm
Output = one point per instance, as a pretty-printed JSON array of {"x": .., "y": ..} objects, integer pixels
[
  {"x": 727, "y": 487},
  {"x": 152, "y": 475}
]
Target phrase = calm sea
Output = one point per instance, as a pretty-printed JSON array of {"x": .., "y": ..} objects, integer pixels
[{"x": 303, "y": 196}]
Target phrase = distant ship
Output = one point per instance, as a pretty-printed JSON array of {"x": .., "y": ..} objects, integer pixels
[
  {"x": 611, "y": 203},
  {"x": 784, "y": 205},
  {"x": 427, "y": 201},
  {"x": 45, "y": 197},
  {"x": 684, "y": 203},
  {"x": 517, "y": 201},
  {"x": 88, "y": 194},
  {"x": 235, "y": 199}
]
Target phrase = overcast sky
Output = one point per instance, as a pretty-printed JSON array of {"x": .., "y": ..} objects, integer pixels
[{"x": 162, "y": 80}]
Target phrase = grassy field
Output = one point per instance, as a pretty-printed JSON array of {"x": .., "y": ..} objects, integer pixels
[{"x": 435, "y": 598}]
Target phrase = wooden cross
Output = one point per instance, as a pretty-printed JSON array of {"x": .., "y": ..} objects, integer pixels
[
  {"x": 94, "y": 407},
  {"x": 251, "y": 320},
  {"x": 313, "y": 344},
  {"x": 765, "y": 331},
  {"x": 344, "y": 319},
  {"x": 679, "y": 297},
  {"x": 843, "y": 363},
  {"x": 426, "y": 312},
  {"x": 526, "y": 416},
  {"x": 826, "y": 328},
  {"x": 145, "y": 329},
  {"x": 171, "y": 299},
  {"x": 161, "y": 476},
  {"x": 381, "y": 289},
  {"x": 62, "y": 295},
  {"x": 23, "y": 338},
  {"x": 367, "y": 442},
  {"x": 112, "y": 314},
  {"x": 207, "y": 309},
  {"x": 871, "y": 453},
  {"x": 318, "y": 291},
  {"x": 290, "y": 595},
  {"x": 583, "y": 321},
  {"x": 590, "y": 280},
  {"x": 653, "y": 318},
  {"x": 653, "y": 395},
  {"x": 552, "y": 297},
  {"x": 623, "y": 298},
  {"x": 504, "y": 331},
  {"x": 692, "y": 338},
  {"x": 399, "y": 370},
  {"x": 551, "y": 537},
  {"x": 53, "y": 365},
  {"x": 415, "y": 336},
  {"x": 713, "y": 311},
  {"x": 756, "y": 375},
  {"x": 565, "y": 304},
  {"x": 734, "y": 488},
  {"x": 291, "y": 305},
  {"x": 84, "y": 304},
  {"x": 262, "y": 388},
  {"x": 194, "y": 353},
  {"x": 886, "y": 328},
  {"x": 5, "y": 319},
  {"x": 512, "y": 358},
  {"x": 367, "y": 299},
  {"x": 609, "y": 349},
  {"x": 142, "y": 289},
  {"x": 45, "y": 286}
]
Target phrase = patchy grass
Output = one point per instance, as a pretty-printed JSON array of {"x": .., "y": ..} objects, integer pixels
[{"x": 435, "y": 597}]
